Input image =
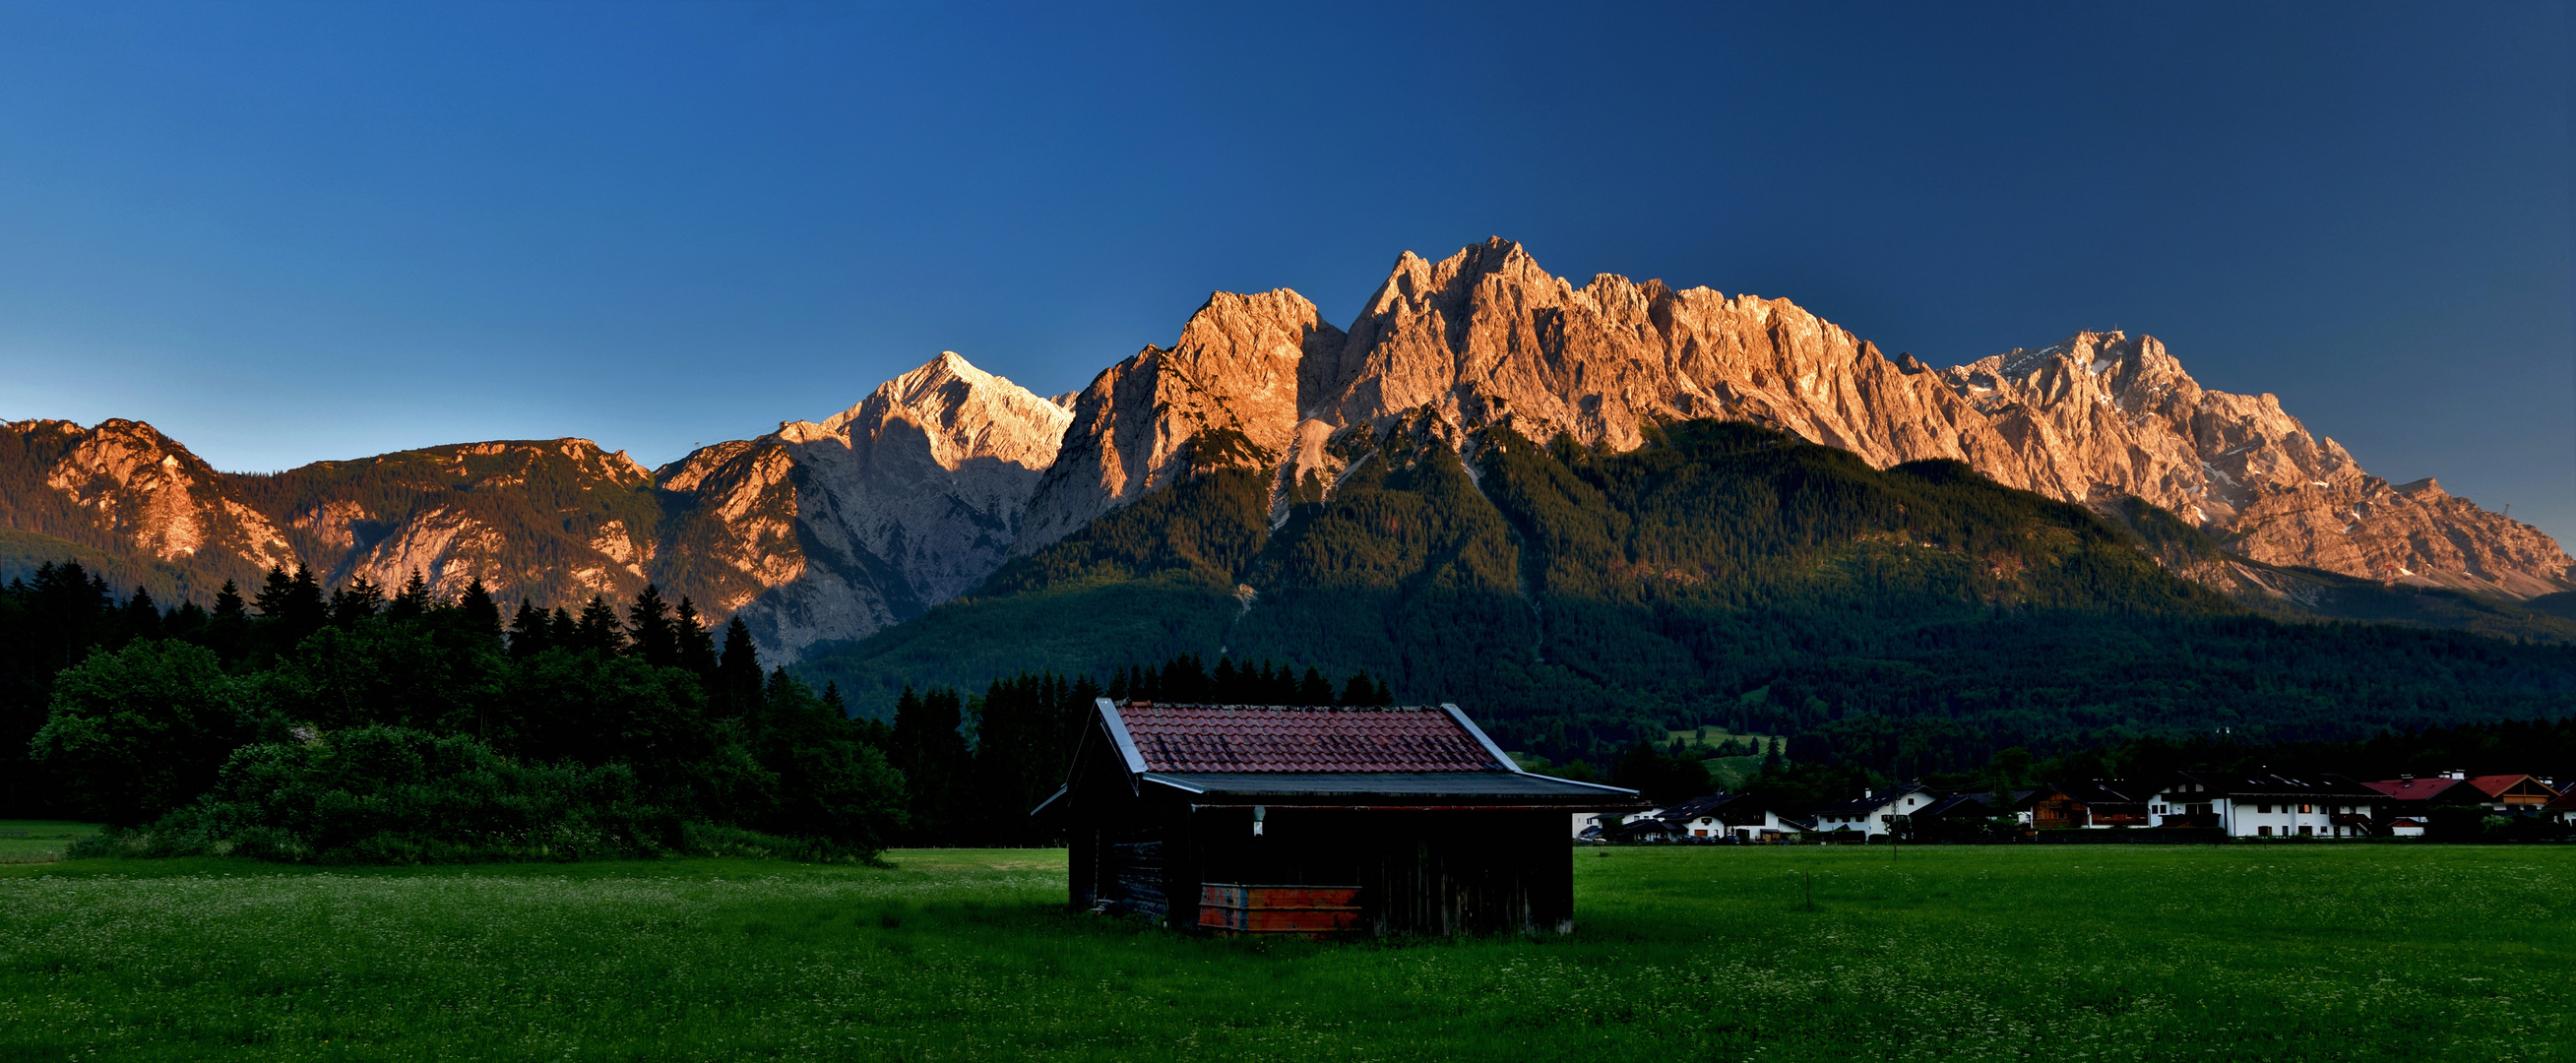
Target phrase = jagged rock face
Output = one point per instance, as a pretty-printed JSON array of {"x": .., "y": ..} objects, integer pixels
[
  {"x": 1237, "y": 371},
  {"x": 835, "y": 529},
  {"x": 816, "y": 531},
  {"x": 903, "y": 501},
  {"x": 2099, "y": 415},
  {"x": 141, "y": 492},
  {"x": 1486, "y": 336}
]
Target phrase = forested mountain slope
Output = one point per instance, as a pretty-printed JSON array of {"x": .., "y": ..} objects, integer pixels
[
  {"x": 816, "y": 531},
  {"x": 1915, "y": 617}
]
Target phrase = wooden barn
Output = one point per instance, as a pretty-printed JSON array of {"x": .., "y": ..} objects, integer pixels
[{"x": 1314, "y": 820}]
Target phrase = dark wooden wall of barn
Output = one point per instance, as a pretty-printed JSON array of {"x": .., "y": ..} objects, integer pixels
[{"x": 1418, "y": 872}]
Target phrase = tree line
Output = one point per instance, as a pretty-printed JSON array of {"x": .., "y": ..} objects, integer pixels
[
  {"x": 351, "y": 724},
  {"x": 356, "y": 725}
]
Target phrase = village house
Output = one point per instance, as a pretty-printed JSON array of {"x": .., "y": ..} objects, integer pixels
[
  {"x": 1311, "y": 820},
  {"x": 1747, "y": 818},
  {"x": 2266, "y": 806},
  {"x": 2563, "y": 807},
  {"x": 1721, "y": 817},
  {"x": 1873, "y": 814},
  {"x": 2093, "y": 805},
  {"x": 2512, "y": 793},
  {"x": 1973, "y": 815}
]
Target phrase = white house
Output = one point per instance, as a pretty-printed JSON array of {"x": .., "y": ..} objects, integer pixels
[
  {"x": 2266, "y": 806},
  {"x": 1874, "y": 813}
]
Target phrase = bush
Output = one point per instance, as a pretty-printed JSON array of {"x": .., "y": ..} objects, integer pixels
[
  {"x": 387, "y": 795},
  {"x": 136, "y": 732}
]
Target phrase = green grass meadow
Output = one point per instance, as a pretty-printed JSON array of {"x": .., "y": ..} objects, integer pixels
[
  {"x": 2055, "y": 953},
  {"x": 39, "y": 841}
]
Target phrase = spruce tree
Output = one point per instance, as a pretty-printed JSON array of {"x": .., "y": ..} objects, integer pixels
[
  {"x": 1361, "y": 691},
  {"x": 649, "y": 631},
  {"x": 482, "y": 615},
  {"x": 561, "y": 632},
  {"x": 358, "y": 601},
  {"x": 140, "y": 619},
  {"x": 228, "y": 603},
  {"x": 1314, "y": 689},
  {"x": 1184, "y": 679},
  {"x": 412, "y": 602},
  {"x": 932, "y": 754},
  {"x": 599, "y": 631},
  {"x": 228, "y": 630},
  {"x": 528, "y": 634},
  {"x": 274, "y": 592},
  {"x": 697, "y": 644},
  {"x": 738, "y": 678}
]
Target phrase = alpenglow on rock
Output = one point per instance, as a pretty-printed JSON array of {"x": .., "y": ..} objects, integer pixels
[
  {"x": 907, "y": 499},
  {"x": 835, "y": 529},
  {"x": 1486, "y": 336},
  {"x": 816, "y": 531}
]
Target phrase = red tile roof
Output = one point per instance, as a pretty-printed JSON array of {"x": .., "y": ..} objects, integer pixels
[
  {"x": 2496, "y": 785},
  {"x": 2414, "y": 789},
  {"x": 1233, "y": 738}
]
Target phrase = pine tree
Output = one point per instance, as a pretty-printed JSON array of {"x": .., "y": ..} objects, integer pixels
[
  {"x": 228, "y": 603},
  {"x": 1314, "y": 689},
  {"x": 412, "y": 602},
  {"x": 1362, "y": 691},
  {"x": 528, "y": 634},
  {"x": 561, "y": 632},
  {"x": 832, "y": 699},
  {"x": 932, "y": 754},
  {"x": 697, "y": 645},
  {"x": 482, "y": 615},
  {"x": 141, "y": 619},
  {"x": 1184, "y": 680},
  {"x": 228, "y": 630},
  {"x": 649, "y": 630},
  {"x": 275, "y": 593},
  {"x": 599, "y": 631},
  {"x": 358, "y": 601},
  {"x": 738, "y": 678}
]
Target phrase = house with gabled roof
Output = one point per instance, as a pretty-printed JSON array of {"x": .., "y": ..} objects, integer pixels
[
  {"x": 1973, "y": 815},
  {"x": 2267, "y": 805},
  {"x": 1873, "y": 813},
  {"x": 2513, "y": 793},
  {"x": 1308, "y": 819}
]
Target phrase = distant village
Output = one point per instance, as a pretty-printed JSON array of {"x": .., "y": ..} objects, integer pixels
[{"x": 2185, "y": 806}]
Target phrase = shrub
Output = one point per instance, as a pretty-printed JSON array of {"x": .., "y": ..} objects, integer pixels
[
  {"x": 136, "y": 732},
  {"x": 387, "y": 795}
]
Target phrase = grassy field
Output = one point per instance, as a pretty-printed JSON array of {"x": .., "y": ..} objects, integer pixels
[
  {"x": 2041, "y": 953},
  {"x": 38, "y": 841}
]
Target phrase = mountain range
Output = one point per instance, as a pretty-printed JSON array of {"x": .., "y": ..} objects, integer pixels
[{"x": 818, "y": 534}]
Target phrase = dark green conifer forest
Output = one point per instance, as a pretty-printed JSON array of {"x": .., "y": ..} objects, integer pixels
[
  {"x": 345, "y": 725},
  {"x": 1909, "y": 620}
]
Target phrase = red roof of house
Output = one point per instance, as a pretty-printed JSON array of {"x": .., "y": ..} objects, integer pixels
[
  {"x": 1241, "y": 738},
  {"x": 2414, "y": 789},
  {"x": 2496, "y": 785}
]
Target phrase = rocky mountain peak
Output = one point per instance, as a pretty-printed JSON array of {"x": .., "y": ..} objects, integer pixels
[
  {"x": 961, "y": 412},
  {"x": 1488, "y": 336},
  {"x": 912, "y": 496}
]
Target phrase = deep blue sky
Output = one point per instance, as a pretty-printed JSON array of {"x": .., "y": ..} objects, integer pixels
[{"x": 286, "y": 233}]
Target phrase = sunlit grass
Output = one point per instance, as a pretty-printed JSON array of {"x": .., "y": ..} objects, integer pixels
[{"x": 2052, "y": 953}]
